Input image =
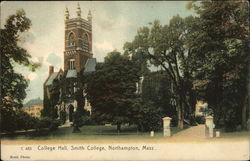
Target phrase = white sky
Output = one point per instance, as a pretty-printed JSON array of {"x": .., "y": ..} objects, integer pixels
[{"x": 113, "y": 23}]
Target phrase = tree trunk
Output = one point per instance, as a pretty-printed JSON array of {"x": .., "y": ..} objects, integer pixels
[
  {"x": 180, "y": 115},
  {"x": 248, "y": 94},
  {"x": 190, "y": 113},
  {"x": 244, "y": 114},
  {"x": 118, "y": 127}
]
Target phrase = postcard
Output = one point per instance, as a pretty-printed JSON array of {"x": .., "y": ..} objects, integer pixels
[{"x": 125, "y": 80}]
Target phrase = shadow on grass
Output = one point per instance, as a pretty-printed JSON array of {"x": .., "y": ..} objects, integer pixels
[{"x": 235, "y": 134}]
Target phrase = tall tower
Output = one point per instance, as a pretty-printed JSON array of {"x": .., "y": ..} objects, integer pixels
[{"x": 78, "y": 40}]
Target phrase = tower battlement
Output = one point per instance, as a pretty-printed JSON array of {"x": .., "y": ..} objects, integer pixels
[{"x": 78, "y": 40}]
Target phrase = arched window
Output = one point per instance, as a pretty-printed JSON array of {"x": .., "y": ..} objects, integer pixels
[
  {"x": 71, "y": 39},
  {"x": 85, "y": 44}
]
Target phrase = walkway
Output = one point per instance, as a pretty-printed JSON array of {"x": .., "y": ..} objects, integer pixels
[{"x": 191, "y": 133}]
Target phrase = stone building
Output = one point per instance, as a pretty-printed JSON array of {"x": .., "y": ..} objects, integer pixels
[
  {"x": 78, "y": 60},
  {"x": 201, "y": 108},
  {"x": 34, "y": 110}
]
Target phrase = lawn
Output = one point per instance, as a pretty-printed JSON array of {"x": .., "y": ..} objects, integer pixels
[
  {"x": 236, "y": 134},
  {"x": 97, "y": 132}
]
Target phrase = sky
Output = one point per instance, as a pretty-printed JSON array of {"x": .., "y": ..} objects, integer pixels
[{"x": 113, "y": 24}]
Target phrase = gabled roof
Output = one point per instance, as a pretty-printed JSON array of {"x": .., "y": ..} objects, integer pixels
[
  {"x": 71, "y": 74},
  {"x": 51, "y": 78},
  {"x": 90, "y": 65}
]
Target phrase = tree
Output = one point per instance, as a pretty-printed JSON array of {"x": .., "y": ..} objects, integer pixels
[
  {"x": 224, "y": 51},
  {"x": 156, "y": 88},
  {"x": 111, "y": 90},
  {"x": 166, "y": 46},
  {"x": 13, "y": 84},
  {"x": 149, "y": 117}
]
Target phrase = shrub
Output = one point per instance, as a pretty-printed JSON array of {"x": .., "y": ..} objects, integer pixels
[
  {"x": 24, "y": 121},
  {"x": 150, "y": 120},
  {"x": 54, "y": 124},
  {"x": 81, "y": 117},
  {"x": 200, "y": 119},
  {"x": 46, "y": 122},
  {"x": 231, "y": 121}
]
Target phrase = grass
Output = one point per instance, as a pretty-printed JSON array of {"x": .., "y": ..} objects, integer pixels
[
  {"x": 97, "y": 132},
  {"x": 236, "y": 134}
]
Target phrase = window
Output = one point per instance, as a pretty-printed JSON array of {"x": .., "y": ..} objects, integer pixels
[
  {"x": 85, "y": 44},
  {"x": 71, "y": 64},
  {"x": 71, "y": 41}
]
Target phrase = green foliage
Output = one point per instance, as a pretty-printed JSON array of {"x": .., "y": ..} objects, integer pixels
[
  {"x": 149, "y": 119},
  {"x": 17, "y": 120},
  {"x": 13, "y": 84},
  {"x": 44, "y": 122},
  {"x": 222, "y": 59},
  {"x": 156, "y": 88},
  {"x": 25, "y": 121},
  {"x": 200, "y": 119},
  {"x": 111, "y": 89},
  {"x": 168, "y": 47},
  {"x": 54, "y": 124},
  {"x": 47, "y": 122},
  {"x": 81, "y": 117},
  {"x": 204, "y": 56}
]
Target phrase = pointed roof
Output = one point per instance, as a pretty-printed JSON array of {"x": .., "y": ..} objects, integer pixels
[
  {"x": 71, "y": 74},
  {"x": 78, "y": 10},
  {"x": 51, "y": 78},
  {"x": 90, "y": 65}
]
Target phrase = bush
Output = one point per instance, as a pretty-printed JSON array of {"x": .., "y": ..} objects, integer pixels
[
  {"x": 150, "y": 120},
  {"x": 91, "y": 121},
  {"x": 200, "y": 119},
  {"x": 231, "y": 121},
  {"x": 24, "y": 121},
  {"x": 81, "y": 117},
  {"x": 54, "y": 124},
  {"x": 20, "y": 120},
  {"x": 46, "y": 122}
]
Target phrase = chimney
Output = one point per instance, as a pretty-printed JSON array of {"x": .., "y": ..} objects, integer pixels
[{"x": 51, "y": 69}]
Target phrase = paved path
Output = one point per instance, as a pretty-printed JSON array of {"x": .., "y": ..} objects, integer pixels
[{"x": 193, "y": 132}]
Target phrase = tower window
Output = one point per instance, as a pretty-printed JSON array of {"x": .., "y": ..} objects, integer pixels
[
  {"x": 85, "y": 44},
  {"x": 71, "y": 41},
  {"x": 71, "y": 64}
]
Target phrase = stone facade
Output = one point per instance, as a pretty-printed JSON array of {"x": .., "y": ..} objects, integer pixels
[
  {"x": 78, "y": 41},
  {"x": 34, "y": 110},
  {"x": 78, "y": 59}
]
